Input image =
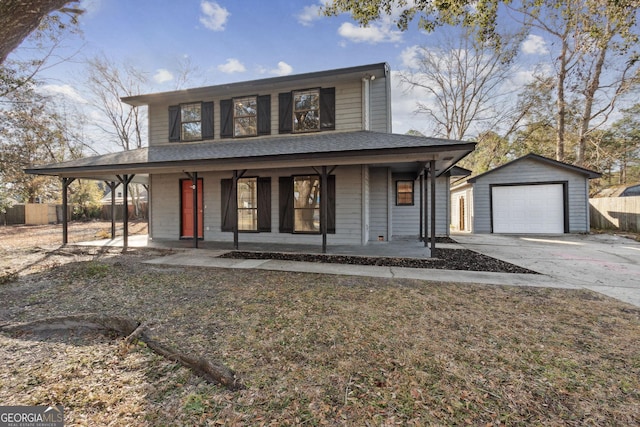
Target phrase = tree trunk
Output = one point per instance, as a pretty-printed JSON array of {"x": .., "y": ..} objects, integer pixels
[
  {"x": 19, "y": 18},
  {"x": 562, "y": 107}
]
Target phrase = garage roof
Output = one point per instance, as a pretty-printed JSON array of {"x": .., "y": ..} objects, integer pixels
[{"x": 586, "y": 172}]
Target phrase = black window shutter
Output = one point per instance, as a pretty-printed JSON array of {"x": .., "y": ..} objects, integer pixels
[
  {"x": 174, "y": 123},
  {"x": 285, "y": 112},
  {"x": 286, "y": 204},
  {"x": 226, "y": 205},
  {"x": 264, "y": 115},
  {"x": 331, "y": 211},
  {"x": 264, "y": 204},
  {"x": 328, "y": 108},
  {"x": 207, "y": 120},
  {"x": 226, "y": 118}
]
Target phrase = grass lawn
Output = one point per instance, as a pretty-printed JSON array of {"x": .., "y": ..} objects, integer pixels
[{"x": 321, "y": 349}]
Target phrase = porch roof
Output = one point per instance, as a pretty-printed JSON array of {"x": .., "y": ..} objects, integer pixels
[{"x": 404, "y": 152}]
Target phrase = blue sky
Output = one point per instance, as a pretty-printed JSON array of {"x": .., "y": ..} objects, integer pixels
[{"x": 237, "y": 40}]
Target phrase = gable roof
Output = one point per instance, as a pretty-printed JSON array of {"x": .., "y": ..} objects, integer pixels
[
  {"x": 273, "y": 83},
  {"x": 322, "y": 148},
  {"x": 576, "y": 169}
]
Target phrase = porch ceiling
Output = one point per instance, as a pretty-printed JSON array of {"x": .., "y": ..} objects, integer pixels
[{"x": 403, "y": 153}]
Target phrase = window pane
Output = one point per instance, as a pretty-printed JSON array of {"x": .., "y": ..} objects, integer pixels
[
  {"x": 404, "y": 192},
  {"x": 247, "y": 193},
  {"x": 306, "y": 204},
  {"x": 309, "y": 100},
  {"x": 191, "y": 131},
  {"x": 245, "y": 107},
  {"x": 191, "y": 113},
  {"x": 304, "y": 121},
  {"x": 248, "y": 204},
  {"x": 306, "y": 111},
  {"x": 247, "y": 219},
  {"x": 245, "y": 126},
  {"x": 307, "y": 220}
]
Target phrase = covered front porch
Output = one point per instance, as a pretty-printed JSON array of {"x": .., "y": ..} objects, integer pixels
[
  {"x": 399, "y": 248},
  {"x": 420, "y": 160}
]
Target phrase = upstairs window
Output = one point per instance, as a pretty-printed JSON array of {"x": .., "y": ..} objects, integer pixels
[
  {"x": 245, "y": 116},
  {"x": 306, "y": 110},
  {"x": 191, "y": 122}
]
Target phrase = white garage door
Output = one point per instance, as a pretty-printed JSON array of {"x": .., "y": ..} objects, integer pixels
[{"x": 528, "y": 209}]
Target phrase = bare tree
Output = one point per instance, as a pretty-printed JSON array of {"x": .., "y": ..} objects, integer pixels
[
  {"x": 108, "y": 82},
  {"x": 465, "y": 81},
  {"x": 592, "y": 36}
]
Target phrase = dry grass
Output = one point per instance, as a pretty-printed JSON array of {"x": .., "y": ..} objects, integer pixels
[{"x": 322, "y": 350}]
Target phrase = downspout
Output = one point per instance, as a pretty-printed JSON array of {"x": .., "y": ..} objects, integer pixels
[{"x": 366, "y": 104}]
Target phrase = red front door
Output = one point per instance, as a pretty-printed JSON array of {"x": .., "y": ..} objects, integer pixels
[{"x": 186, "y": 201}]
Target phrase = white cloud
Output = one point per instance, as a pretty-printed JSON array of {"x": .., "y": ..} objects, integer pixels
[
  {"x": 283, "y": 69},
  {"x": 66, "y": 91},
  {"x": 232, "y": 66},
  {"x": 308, "y": 15},
  {"x": 534, "y": 45},
  {"x": 311, "y": 13},
  {"x": 162, "y": 75},
  {"x": 215, "y": 16},
  {"x": 377, "y": 32},
  {"x": 409, "y": 57}
]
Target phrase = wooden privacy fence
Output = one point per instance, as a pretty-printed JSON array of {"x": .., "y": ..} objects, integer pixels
[
  {"x": 615, "y": 213},
  {"x": 14, "y": 215},
  {"x": 42, "y": 214}
]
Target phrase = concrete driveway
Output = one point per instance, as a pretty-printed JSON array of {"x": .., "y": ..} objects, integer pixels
[{"x": 603, "y": 263}]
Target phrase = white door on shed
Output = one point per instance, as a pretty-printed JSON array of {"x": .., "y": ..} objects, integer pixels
[{"x": 528, "y": 209}]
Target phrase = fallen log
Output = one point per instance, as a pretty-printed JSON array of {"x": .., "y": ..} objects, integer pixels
[{"x": 131, "y": 330}]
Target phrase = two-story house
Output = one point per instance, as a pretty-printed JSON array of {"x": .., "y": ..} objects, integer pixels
[{"x": 306, "y": 159}]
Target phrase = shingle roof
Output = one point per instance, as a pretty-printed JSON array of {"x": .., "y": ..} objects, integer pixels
[
  {"x": 281, "y": 147},
  {"x": 577, "y": 169}
]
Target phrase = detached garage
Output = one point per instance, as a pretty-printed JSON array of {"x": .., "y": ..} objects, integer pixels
[{"x": 530, "y": 195}]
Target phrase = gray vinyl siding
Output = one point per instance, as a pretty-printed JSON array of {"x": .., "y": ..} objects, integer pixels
[
  {"x": 348, "y": 110},
  {"x": 380, "y": 120},
  {"x": 378, "y": 204},
  {"x": 406, "y": 219},
  {"x": 529, "y": 171},
  {"x": 166, "y": 208}
]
